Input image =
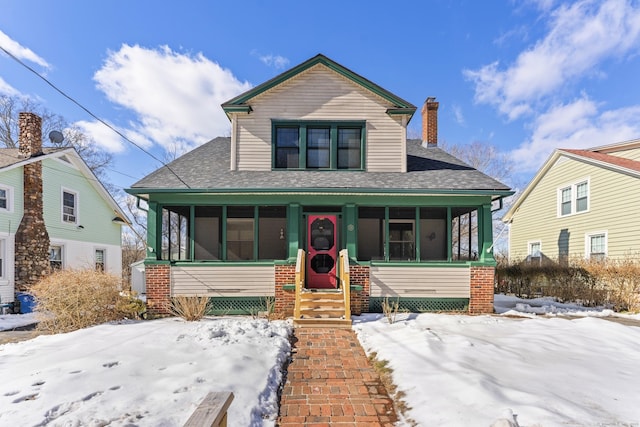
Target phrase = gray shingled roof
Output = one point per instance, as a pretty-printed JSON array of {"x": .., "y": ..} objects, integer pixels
[
  {"x": 207, "y": 168},
  {"x": 11, "y": 156}
]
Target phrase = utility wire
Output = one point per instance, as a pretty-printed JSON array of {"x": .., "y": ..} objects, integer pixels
[{"x": 93, "y": 115}]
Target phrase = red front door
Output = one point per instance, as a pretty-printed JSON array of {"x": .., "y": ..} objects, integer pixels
[{"x": 322, "y": 252}]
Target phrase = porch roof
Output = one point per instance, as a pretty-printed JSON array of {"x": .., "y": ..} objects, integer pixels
[{"x": 206, "y": 168}]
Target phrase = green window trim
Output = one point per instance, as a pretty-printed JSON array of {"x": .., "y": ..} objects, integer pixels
[{"x": 339, "y": 149}]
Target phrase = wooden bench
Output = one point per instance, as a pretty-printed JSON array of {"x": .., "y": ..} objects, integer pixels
[{"x": 212, "y": 411}]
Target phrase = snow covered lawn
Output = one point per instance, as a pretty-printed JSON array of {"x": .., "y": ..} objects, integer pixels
[
  {"x": 151, "y": 373},
  {"x": 459, "y": 370},
  {"x": 456, "y": 370}
]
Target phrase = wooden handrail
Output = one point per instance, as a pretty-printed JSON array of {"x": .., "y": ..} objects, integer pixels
[
  {"x": 345, "y": 282},
  {"x": 212, "y": 411},
  {"x": 300, "y": 267}
]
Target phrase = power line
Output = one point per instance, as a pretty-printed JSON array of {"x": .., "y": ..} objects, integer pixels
[{"x": 93, "y": 115}]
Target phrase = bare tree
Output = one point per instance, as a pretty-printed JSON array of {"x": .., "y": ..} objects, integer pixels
[{"x": 98, "y": 160}]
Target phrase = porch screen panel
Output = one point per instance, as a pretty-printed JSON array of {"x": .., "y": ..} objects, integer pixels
[
  {"x": 272, "y": 232},
  {"x": 240, "y": 233},
  {"x": 402, "y": 237},
  {"x": 433, "y": 234},
  {"x": 175, "y": 233},
  {"x": 207, "y": 233},
  {"x": 464, "y": 234},
  {"x": 370, "y": 233}
]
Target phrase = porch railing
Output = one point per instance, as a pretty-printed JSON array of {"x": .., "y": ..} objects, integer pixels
[
  {"x": 344, "y": 281},
  {"x": 300, "y": 267}
]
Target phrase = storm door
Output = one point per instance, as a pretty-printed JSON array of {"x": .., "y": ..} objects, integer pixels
[{"x": 322, "y": 251}]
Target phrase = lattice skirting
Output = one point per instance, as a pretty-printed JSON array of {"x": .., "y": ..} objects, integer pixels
[
  {"x": 238, "y": 305},
  {"x": 420, "y": 305}
]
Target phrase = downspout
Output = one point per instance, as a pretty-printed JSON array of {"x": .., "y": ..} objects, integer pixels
[
  {"x": 404, "y": 145},
  {"x": 234, "y": 130}
]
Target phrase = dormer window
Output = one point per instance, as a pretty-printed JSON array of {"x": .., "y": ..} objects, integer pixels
[{"x": 318, "y": 145}]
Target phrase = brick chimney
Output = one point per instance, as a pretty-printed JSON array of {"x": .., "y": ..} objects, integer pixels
[
  {"x": 430, "y": 122},
  {"x": 32, "y": 239}
]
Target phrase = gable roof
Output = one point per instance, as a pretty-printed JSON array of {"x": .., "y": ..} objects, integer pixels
[
  {"x": 240, "y": 102},
  {"x": 592, "y": 157},
  {"x": 430, "y": 171},
  {"x": 10, "y": 158}
]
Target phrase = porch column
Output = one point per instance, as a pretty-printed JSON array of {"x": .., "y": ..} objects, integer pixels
[
  {"x": 485, "y": 234},
  {"x": 351, "y": 220},
  {"x": 293, "y": 228},
  {"x": 153, "y": 231}
]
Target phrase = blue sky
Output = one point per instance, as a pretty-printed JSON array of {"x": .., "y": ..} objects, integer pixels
[{"x": 525, "y": 76}]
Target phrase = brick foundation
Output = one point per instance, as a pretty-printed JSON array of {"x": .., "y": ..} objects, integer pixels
[
  {"x": 285, "y": 300},
  {"x": 481, "y": 290},
  {"x": 359, "y": 275},
  {"x": 158, "y": 279}
]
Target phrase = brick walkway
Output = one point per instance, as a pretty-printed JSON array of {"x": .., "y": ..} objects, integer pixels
[{"x": 330, "y": 382}]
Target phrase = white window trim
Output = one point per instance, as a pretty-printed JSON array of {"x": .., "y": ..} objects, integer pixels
[
  {"x": 9, "y": 191},
  {"x": 574, "y": 197},
  {"x": 77, "y": 205},
  {"x": 587, "y": 242},
  {"x": 530, "y": 256}
]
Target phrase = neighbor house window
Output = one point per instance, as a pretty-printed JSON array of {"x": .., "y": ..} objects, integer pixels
[
  {"x": 573, "y": 198},
  {"x": 4, "y": 199},
  {"x": 596, "y": 246},
  {"x": 100, "y": 256},
  {"x": 535, "y": 253},
  {"x": 55, "y": 257},
  {"x": 2, "y": 256},
  {"x": 69, "y": 206},
  {"x": 318, "y": 145}
]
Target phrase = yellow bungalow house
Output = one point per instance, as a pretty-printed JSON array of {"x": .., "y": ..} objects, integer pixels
[
  {"x": 318, "y": 193},
  {"x": 580, "y": 203}
]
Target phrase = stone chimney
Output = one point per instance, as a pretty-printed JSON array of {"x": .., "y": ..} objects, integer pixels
[
  {"x": 32, "y": 239},
  {"x": 430, "y": 122}
]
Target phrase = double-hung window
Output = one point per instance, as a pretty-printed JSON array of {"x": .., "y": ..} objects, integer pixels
[
  {"x": 535, "y": 251},
  {"x": 69, "y": 206},
  {"x": 4, "y": 199},
  {"x": 100, "y": 256},
  {"x": 318, "y": 145},
  {"x": 573, "y": 198},
  {"x": 596, "y": 246}
]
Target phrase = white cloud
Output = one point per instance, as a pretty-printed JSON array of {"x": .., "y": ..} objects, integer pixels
[
  {"x": 580, "y": 37},
  {"x": 20, "y": 51},
  {"x": 176, "y": 97},
  {"x": 276, "y": 61},
  {"x": 7, "y": 89},
  {"x": 577, "y": 124},
  {"x": 457, "y": 112},
  {"x": 108, "y": 140}
]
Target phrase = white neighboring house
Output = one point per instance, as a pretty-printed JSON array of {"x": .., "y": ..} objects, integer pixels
[{"x": 54, "y": 187}]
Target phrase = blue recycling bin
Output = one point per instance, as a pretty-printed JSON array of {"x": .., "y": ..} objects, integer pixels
[{"x": 27, "y": 302}]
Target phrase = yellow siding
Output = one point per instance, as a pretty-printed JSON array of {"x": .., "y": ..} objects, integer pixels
[
  {"x": 412, "y": 282},
  {"x": 613, "y": 208},
  {"x": 223, "y": 281},
  {"x": 632, "y": 153},
  {"x": 320, "y": 94}
]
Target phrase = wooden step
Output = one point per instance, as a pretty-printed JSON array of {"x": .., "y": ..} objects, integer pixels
[{"x": 322, "y": 323}]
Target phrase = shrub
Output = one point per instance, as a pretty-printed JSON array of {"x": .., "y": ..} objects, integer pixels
[
  {"x": 610, "y": 282},
  {"x": 68, "y": 300},
  {"x": 190, "y": 308}
]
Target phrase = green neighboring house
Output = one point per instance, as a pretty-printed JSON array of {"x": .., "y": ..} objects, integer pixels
[
  {"x": 54, "y": 213},
  {"x": 318, "y": 162},
  {"x": 579, "y": 204}
]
